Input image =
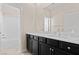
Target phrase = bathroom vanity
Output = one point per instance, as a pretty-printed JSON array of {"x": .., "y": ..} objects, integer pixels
[{"x": 45, "y": 44}]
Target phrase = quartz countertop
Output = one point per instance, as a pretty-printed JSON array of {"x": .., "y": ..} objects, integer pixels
[{"x": 61, "y": 37}]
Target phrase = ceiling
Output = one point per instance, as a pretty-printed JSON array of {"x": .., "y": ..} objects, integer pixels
[
  {"x": 54, "y": 7},
  {"x": 23, "y": 5},
  {"x": 63, "y": 6}
]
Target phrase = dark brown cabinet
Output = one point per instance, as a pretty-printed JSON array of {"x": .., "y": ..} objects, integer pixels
[
  {"x": 34, "y": 47},
  {"x": 70, "y": 47},
  {"x": 29, "y": 43},
  {"x": 44, "y": 49},
  {"x": 53, "y": 42},
  {"x": 60, "y": 52},
  {"x": 27, "y": 37},
  {"x": 42, "y": 39},
  {"x": 45, "y": 46},
  {"x": 32, "y": 44}
]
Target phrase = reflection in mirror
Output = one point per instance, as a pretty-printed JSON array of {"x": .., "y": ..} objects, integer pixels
[{"x": 46, "y": 24}]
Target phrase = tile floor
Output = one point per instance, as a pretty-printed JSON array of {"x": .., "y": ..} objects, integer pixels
[{"x": 13, "y": 53}]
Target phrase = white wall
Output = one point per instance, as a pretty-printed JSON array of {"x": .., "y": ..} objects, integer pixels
[
  {"x": 62, "y": 17},
  {"x": 71, "y": 22},
  {"x": 57, "y": 22},
  {"x": 31, "y": 21},
  {"x": 27, "y": 25}
]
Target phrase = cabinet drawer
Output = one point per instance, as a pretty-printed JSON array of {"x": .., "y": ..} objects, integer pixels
[
  {"x": 44, "y": 49},
  {"x": 36, "y": 37},
  {"x": 31, "y": 36},
  {"x": 60, "y": 52},
  {"x": 52, "y": 42},
  {"x": 34, "y": 47},
  {"x": 70, "y": 47},
  {"x": 42, "y": 39}
]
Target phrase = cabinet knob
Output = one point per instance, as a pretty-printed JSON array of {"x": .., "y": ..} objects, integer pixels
[
  {"x": 69, "y": 48},
  {"x": 50, "y": 48}
]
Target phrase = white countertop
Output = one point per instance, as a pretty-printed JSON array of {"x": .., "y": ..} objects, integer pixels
[{"x": 66, "y": 38}]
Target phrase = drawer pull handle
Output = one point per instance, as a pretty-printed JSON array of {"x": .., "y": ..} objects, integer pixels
[
  {"x": 35, "y": 37},
  {"x": 68, "y": 48}
]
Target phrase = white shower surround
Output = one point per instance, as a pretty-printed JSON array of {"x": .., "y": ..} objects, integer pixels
[{"x": 10, "y": 29}]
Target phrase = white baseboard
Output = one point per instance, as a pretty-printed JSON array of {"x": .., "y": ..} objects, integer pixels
[{"x": 24, "y": 50}]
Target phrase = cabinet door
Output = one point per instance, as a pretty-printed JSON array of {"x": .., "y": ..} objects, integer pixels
[
  {"x": 53, "y": 42},
  {"x": 29, "y": 43},
  {"x": 60, "y": 52},
  {"x": 70, "y": 47},
  {"x": 35, "y": 47},
  {"x": 44, "y": 49}
]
